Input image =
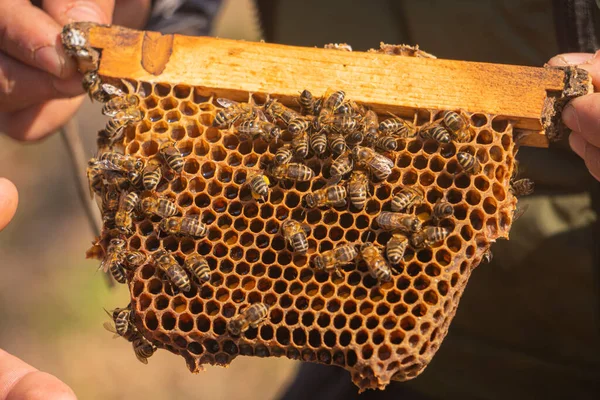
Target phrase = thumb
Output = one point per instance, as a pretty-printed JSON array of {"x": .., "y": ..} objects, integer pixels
[
  {"x": 67, "y": 11},
  {"x": 588, "y": 61},
  {"x": 8, "y": 201}
]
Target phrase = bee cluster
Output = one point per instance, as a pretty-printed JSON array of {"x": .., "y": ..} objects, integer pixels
[{"x": 315, "y": 232}]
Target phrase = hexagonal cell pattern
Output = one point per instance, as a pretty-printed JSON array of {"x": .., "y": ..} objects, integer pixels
[{"x": 378, "y": 332}]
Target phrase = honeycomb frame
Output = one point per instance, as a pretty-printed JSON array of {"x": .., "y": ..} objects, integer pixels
[{"x": 377, "y": 332}]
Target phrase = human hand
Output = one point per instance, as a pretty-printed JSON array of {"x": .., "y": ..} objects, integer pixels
[
  {"x": 21, "y": 381},
  {"x": 582, "y": 114},
  {"x": 17, "y": 379},
  {"x": 39, "y": 86}
]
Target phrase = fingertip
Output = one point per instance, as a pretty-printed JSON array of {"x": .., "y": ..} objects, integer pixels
[
  {"x": 39, "y": 385},
  {"x": 9, "y": 198}
]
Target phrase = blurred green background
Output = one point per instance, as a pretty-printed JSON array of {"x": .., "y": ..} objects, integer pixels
[{"x": 51, "y": 297}]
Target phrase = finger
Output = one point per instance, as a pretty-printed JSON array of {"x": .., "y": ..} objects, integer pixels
[
  {"x": 38, "y": 385},
  {"x": 588, "y": 61},
  {"x": 67, "y": 11},
  {"x": 36, "y": 122},
  {"x": 582, "y": 115},
  {"x": 11, "y": 370},
  {"x": 21, "y": 85},
  {"x": 30, "y": 35},
  {"x": 9, "y": 198},
  {"x": 589, "y": 153}
]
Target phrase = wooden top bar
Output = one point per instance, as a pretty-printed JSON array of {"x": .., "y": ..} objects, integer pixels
[{"x": 397, "y": 84}]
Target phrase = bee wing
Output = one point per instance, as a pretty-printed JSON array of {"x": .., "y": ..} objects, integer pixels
[
  {"x": 141, "y": 359},
  {"x": 226, "y": 102},
  {"x": 110, "y": 327},
  {"x": 112, "y": 90},
  {"x": 306, "y": 229},
  {"x": 385, "y": 160},
  {"x": 261, "y": 115},
  {"x": 519, "y": 211},
  {"x": 126, "y": 115}
]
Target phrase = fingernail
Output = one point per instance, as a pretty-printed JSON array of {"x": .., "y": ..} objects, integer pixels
[
  {"x": 69, "y": 87},
  {"x": 570, "y": 117},
  {"x": 48, "y": 59},
  {"x": 578, "y": 144},
  {"x": 87, "y": 12}
]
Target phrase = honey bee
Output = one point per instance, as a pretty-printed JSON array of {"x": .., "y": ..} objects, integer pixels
[
  {"x": 143, "y": 348},
  {"x": 198, "y": 266},
  {"x": 330, "y": 196},
  {"x": 295, "y": 233},
  {"x": 252, "y": 316},
  {"x": 428, "y": 236},
  {"x": 161, "y": 207},
  {"x": 173, "y": 271},
  {"x": 113, "y": 161},
  {"x": 438, "y": 133},
  {"x": 152, "y": 174},
  {"x": 337, "y": 143},
  {"x": 458, "y": 125},
  {"x": 378, "y": 267},
  {"x": 441, "y": 210},
  {"x": 278, "y": 111},
  {"x": 172, "y": 156},
  {"x": 134, "y": 258},
  {"x": 232, "y": 112},
  {"x": 318, "y": 142},
  {"x": 398, "y": 127},
  {"x": 522, "y": 187},
  {"x": 266, "y": 130},
  {"x": 333, "y": 99},
  {"x": 468, "y": 162},
  {"x": 358, "y": 187},
  {"x": 283, "y": 155},
  {"x": 114, "y": 258},
  {"x": 116, "y": 124},
  {"x": 127, "y": 204},
  {"x": 110, "y": 201},
  {"x": 135, "y": 178},
  {"x": 408, "y": 198},
  {"x": 299, "y": 125},
  {"x": 95, "y": 176},
  {"x": 259, "y": 185},
  {"x": 344, "y": 123},
  {"x": 294, "y": 171},
  {"x": 93, "y": 87},
  {"x": 121, "y": 318},
  {"x": 378, "y": 164},
  {"x": 341, "y": 166},
  {"x": 307, "y": 102},
  {"x": 349, "y": 107},
  {"x": 403, "y": 222},
  {"x": 385, "y": 143},
  {"x": 188, "y": 225},
  {"x": 370, "y": 123},
  {"x": 122, "y": 102},
  {"x": 396, "y": 247},
  {"x": 338, "y": 46},
  {"x": 300, "y": 145},
  {"x": 329, "y": 261}
]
